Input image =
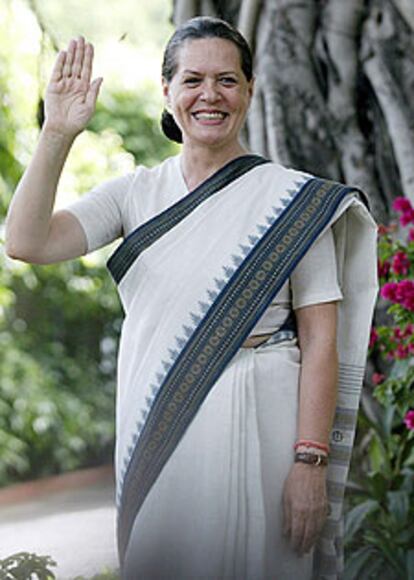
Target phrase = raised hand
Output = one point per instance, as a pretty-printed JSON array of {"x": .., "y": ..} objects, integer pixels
[{"x": 71, "y": 96}]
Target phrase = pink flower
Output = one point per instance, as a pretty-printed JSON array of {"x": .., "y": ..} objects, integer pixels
[
  {"x": 407, "y": 217},
  {"x": 401, "y": 204},
  {"x": 409, "y": 330},
  {"x": 389, "y": 291},
  {"x": 409, "y": 420},
  {"x": 400, "y": 263},
  {"x": 383, "y": 268},
  {"x": 401, "y": 352},
  {"x": 400, "y": 292},
  {"x": 373, "y": 337},
  {"x": 397, "y": 333},
  {"x": 411, "y": 235},
  {"x": 404, "y": 294},
  {"x": 377, "y": 378}
]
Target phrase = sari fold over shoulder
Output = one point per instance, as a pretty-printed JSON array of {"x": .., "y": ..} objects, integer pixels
[{"x": 195, "y": 280}]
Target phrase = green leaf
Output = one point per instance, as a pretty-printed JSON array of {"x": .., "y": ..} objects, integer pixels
[
  {"x": 372, "y": 568},
  {"x": 410, "y": 459},
  {"x": 387, "y": 419},
  {"x": 357, "y": 562},
  {"x": 398, "y": 505},
  {"x": 410, "y": 564},
  {"x": 400, "y": 368},
  {"x": 378, "y": 486},
  {"x": 356, "y": 516},
  {"x": 388, "y": 550},
  {"x": 377, "y": 455}
]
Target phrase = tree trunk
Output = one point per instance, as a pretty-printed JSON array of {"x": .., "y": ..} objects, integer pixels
[{"x": 334, "y": 81}]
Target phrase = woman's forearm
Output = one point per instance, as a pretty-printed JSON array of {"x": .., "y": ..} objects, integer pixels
[
  {"x": 318, "y": 393},
  {"x": 319, "y": 370},
  {"x": 28, "y": 219}
]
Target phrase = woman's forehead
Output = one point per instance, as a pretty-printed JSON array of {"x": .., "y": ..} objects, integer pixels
[{"x": 217, "y": 53}]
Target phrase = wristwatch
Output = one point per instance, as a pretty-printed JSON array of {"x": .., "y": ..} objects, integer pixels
[{"x": 311, "y": 459}]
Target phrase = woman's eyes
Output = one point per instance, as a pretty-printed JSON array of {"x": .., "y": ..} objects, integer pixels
[
  {"x": 227, "y": 81},
  {"x": 191, "y": 81}
]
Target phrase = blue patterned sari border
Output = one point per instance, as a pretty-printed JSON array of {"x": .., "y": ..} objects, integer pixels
[
  {"x": 219, "y": 335},
  {"x": 148, "y": 233}
]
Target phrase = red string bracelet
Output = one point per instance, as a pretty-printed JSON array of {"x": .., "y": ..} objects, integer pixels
[{"x": 308, "y": 443}]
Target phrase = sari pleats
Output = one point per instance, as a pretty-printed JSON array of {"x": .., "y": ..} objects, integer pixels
[
  {"x": 206, "y": 428},
  {"x": 223, "y": 484}
]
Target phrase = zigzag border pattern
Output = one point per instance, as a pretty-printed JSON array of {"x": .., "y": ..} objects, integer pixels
[
  {"x": 145, "y": 235},
  {"x": 196, "y": 318},
  {"x": 213, "y": 343}
]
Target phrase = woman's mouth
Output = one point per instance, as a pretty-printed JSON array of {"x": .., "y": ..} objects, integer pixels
[{"x": 209, "y": 115}]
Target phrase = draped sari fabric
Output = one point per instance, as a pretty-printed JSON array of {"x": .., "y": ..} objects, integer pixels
[{"x": 194, "y": 281}]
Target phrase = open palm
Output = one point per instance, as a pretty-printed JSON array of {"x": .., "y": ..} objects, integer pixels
[{"x": 71, "y": 96}]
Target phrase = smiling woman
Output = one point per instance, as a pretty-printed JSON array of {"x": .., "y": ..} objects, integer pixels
[
  {"x": 235, "y": 421},
  {"x": 209, "y": 95}
]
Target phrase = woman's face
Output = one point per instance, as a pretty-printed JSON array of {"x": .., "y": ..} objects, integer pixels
[{"x": 209, "y": 94}]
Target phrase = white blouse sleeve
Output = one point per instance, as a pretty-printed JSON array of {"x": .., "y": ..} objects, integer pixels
[
  {"x": 315, "y": 279},
  {"x": 100, "y": 211}
]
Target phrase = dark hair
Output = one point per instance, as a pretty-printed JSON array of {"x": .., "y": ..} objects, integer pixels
[{"x": 198, "y": 28}]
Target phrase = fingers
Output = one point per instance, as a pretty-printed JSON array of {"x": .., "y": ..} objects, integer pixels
[
  {"x": 78, "y": 57},
  {"x": 93, "y": 91},
  {"x": 86, "y": 70},
  {"x": 297, "y": 533},
  {"x": 287, "y": 518},
  {"x": 58, "y": 67},
  {"x": 77, "y": 61},
  {"x": 309, "y": 537},
  {"x": 70, "y": 55},
  {"x": 302, "y": 525},
  {"x": 312, "y": 528}
]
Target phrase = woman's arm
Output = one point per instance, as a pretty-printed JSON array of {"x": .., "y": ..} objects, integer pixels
[
  {"x": 33, "y": 232},
  {"x": 305, "y": 499}
]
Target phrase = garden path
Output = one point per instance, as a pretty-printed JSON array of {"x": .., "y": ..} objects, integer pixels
[{"x": 70, "y": 518}]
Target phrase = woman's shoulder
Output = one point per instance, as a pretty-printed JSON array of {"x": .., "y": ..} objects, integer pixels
[{"x": 163, "y": 170}]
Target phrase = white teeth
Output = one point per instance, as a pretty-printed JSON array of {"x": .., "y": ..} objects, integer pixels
[{"x": 208, "y": 116}]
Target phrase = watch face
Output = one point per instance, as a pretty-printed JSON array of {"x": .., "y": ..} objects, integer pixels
[{"x": 311, "y": 458}]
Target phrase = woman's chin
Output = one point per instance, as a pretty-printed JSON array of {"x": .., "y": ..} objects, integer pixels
[{"x": 209, "y": 138}]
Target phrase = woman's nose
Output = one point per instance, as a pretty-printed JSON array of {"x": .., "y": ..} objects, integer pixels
[{"x": 210, "y": 92}]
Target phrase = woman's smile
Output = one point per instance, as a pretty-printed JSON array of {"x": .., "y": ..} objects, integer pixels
[
  {"x": 209, "y": 94},
  {"x": 210, "y": 117}
]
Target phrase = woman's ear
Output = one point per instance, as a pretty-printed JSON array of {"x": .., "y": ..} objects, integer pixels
[
  {"x": 252, "y": 84},
  {"x": 166, "y": 92}
]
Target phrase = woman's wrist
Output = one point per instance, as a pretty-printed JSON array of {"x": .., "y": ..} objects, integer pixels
[
  {"x": 57, "y": 136},
  {"x": 311, "y": 444},
  {"x": 313, "y": 459},
  {"x": 311, "y": 452}
]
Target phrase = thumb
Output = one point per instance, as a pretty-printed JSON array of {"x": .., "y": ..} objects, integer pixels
[{"x": 93, "y": 91}]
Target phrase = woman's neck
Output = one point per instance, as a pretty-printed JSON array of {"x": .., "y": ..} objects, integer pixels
[{"x": 197, "y": 164}]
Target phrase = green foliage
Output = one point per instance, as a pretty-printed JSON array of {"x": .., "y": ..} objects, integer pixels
[
  {"x": 59, "y": 325},
  {"x": 380, "y": 524},
  {"x": 10, "y": 168},
  {"x": 57, "y": 359},
  {"x": 132, "y": 116},
  {"x": 26, "y": 566}
]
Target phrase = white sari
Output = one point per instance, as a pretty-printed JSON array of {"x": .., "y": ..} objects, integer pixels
[{"x": 205, "y": 428}]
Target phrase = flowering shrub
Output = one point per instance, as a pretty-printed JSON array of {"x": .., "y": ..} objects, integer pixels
[
  {"x": 380, "y": 525},
  {"x": 394, "y": 342}
]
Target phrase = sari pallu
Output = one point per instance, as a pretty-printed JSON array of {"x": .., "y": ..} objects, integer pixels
[{"x": 194, "y": 281}]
